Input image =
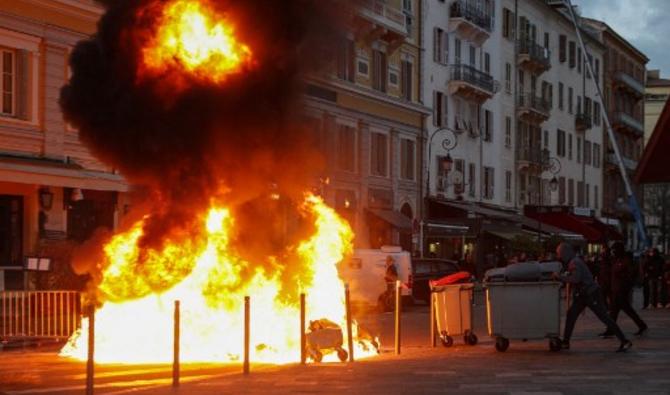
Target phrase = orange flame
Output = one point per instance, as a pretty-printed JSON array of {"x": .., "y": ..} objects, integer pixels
[
  {"x": 211, "y": 294},
  {"x": 193, "y": 38}
]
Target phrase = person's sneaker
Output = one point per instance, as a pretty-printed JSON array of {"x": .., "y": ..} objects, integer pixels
[
  {"x": 606, "y": 335},
  {"x": 642, "y": 331},
  {"x": 565, "y": 344},
  {"x": 624, "y": 346}
]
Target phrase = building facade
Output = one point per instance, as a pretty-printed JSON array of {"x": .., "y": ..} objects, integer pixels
[
  {"x": 51, "y": 189},
  {"x": 624, "y": 91},
  {"x": 369, "y": 119},
  {"x": 508, "y": 79},
  {"x": 657, "y": 91}
]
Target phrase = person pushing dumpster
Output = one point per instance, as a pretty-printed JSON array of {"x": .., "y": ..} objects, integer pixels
[{"x": 586, "y": 293}]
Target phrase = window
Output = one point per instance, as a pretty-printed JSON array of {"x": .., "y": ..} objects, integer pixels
[
  {"x": 346, "y": 148},
  {"x": 379, "y": 154},
  {"x": 488, "y": 183},
  {"x": 560, "y": 96},
  {"x": 560, "y": 143},
  {"x": 363, "y": 68},
  {"x": 457, "y": 50},
  {"x": 596, "y": 113},
  {"x": 570, "y": 146},
  {"x": 570, "y": 100},
  {"x": 440, "y": 46},
  {"x": 579, "y": 105},
  {"x": 508, "y": 78},
  {"x": 407, "y": 159},
  {"x": 508, "y": 186},
  {"x": 488, "y": 126},
  {"x": 8, "y": 82},
  {"x": 508, "y": 132},
  {"x": 473, "y": 56},
  {"x": 571, "y": 192},
  {"x": 508, "y": 24},
  {"x": 579, "y": 61},
  {"x": 487, "y": 63},
  {"x": 407, "y": 77},
  {"x": 596, "y": 155},
  {"x": 439, "y": 109},
  {"x": 459, "y": 166},
  {"x": 572, "y": 60},
  {"x": 380, "y": 69},
  {"x": 546, "y": 139},
  {"x": 588, "y": 195},
  {"x": 587, "y": 152},
  {"x": 561, "y": 190},
  {"x": 579, "y": 150},
  {"x": 596, "y": 203},
  {"x": 580, "y": 194},
  {"x": 472, "y": 179},
  {"x": 546, "y": 40},
  {"x": 562, "y": 41},
  {"x": 345, "y": 60}
]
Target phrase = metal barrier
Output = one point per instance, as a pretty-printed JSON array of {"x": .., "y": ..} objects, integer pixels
[{"x": 39, "y": 314}]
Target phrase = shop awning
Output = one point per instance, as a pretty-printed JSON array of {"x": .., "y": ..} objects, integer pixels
[
  {"x": 653, "y": 166},
  {"x": 394, "y": 218},
  {"x": 58, "y": 174},
  {"x": 590, "y": 228},
  {"x": 506, "y": 234}
]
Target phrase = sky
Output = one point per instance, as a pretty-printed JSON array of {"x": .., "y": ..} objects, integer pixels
[{"x": 644, "y": 23}]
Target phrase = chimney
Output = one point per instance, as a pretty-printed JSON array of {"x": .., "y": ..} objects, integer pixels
[{"x": 654, "y": 74}]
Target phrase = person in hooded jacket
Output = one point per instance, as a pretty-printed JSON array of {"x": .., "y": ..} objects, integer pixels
[
  {"x": 623, "y": 281},
  {"x": 586, "y": 293}
]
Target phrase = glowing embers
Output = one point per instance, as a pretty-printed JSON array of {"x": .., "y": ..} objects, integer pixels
[
  {"x": 193, "y": 38},
  {"x": 134, "y": 325}
]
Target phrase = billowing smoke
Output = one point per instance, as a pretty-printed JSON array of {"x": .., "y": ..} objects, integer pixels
[{"x": 187, "y": 141}]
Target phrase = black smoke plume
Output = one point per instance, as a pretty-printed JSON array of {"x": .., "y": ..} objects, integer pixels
[{"x": 227, "y": 142}]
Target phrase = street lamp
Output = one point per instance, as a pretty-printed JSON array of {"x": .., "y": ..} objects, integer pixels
[
  {"x": 447, "y": 163},
  {"x": 449, "y": 143}
]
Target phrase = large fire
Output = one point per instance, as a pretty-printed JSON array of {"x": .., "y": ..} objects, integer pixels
[
  {"x": 193, "y": 38},
  {"x": 139, "y": 330}
]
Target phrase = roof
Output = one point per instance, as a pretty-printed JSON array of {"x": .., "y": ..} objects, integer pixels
[
  {"x": 605, "y": 27},
  {"x": 653, "y": 167},
  {"x": 653, "y": 82}
]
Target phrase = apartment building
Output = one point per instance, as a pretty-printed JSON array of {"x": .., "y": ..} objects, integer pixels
[
  {"x": 657, "y": 91},
  {"x": 507, "y": 78},
  {"x": 51, "y": 189},
  {"x": 369, "y": 118},
  {"x": 624, "y": 91}
]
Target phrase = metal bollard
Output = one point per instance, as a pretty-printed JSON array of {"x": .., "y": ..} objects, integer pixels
[
  {"x": 303, "y": 339},
  {"x": 90, "y": 363},
  {"x": 433, "y": 342},
  {"x": 247, "y": 319},
  {"x": 175, "y": 358},
  {"x": 350, "y": 343},
  {"x": 397, "y": 317}
]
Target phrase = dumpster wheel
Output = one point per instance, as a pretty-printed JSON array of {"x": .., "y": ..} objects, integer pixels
[
  {"x": 555, "y": 344},
  {"x": 446, "y": 340},
  {"x": 342, "y": 355},
  {"x": 470, "y": 338},
  {"x": 502, "y": 344}
]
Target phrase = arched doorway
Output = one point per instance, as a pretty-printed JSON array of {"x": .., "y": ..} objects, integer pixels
[{"x": 406, "y": 237}]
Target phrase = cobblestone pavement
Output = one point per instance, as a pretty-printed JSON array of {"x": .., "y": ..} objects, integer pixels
[{"x": 590, "y": 367}]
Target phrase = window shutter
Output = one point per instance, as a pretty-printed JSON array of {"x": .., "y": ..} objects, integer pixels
[
  {"x": 445, "y": 47},
  {"x": 22, "y": 78},
  {"x": 444, "y": 110},
  {"x": 436, "y": 44}
]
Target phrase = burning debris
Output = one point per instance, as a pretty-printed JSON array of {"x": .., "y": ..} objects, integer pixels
[{"x": 197, "y": 102}]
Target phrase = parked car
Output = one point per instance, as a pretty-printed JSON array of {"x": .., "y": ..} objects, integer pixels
[{"x": 424, "y": 270}]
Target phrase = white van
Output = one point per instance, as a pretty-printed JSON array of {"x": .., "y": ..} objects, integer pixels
[{"x": 365, "y": 270}]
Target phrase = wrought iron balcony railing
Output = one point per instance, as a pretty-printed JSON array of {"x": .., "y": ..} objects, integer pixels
[
  {"x": 469, "y": 74},
  {"x": 469, "y": 11}
]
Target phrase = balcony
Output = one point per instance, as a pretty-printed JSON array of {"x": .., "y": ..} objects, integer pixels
[
  {"x": 583, "y": 122},
  {"x": 613, "y": 164},
  {"x": 529, "y": 157},
  {"x": 628, "y": 83},
  {"x": 377, "y": 20},
  {"x": 470, "y": 22},
  {"x": 533, "y": 109},
  {"x": 532, "y": 57},
  {"x": 470, "y": 83},
  {"x": 622, "y": 122}
]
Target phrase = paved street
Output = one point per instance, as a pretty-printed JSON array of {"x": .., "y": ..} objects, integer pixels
[{"x": 590, "y": 367}]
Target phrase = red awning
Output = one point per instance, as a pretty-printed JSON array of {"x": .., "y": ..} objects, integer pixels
[
  {"x": 653, "y": 166},
  {"x": 593, "y": 230}
]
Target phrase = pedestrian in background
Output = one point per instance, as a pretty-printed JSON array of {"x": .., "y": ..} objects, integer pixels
[
  {"x": 653, "y": 266},
  {"x": 666, "y": 285},
  {"x": 604, "y": 274},
  {"x": 623, "y": 280},
  {"x": 586, "y": 293}
]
